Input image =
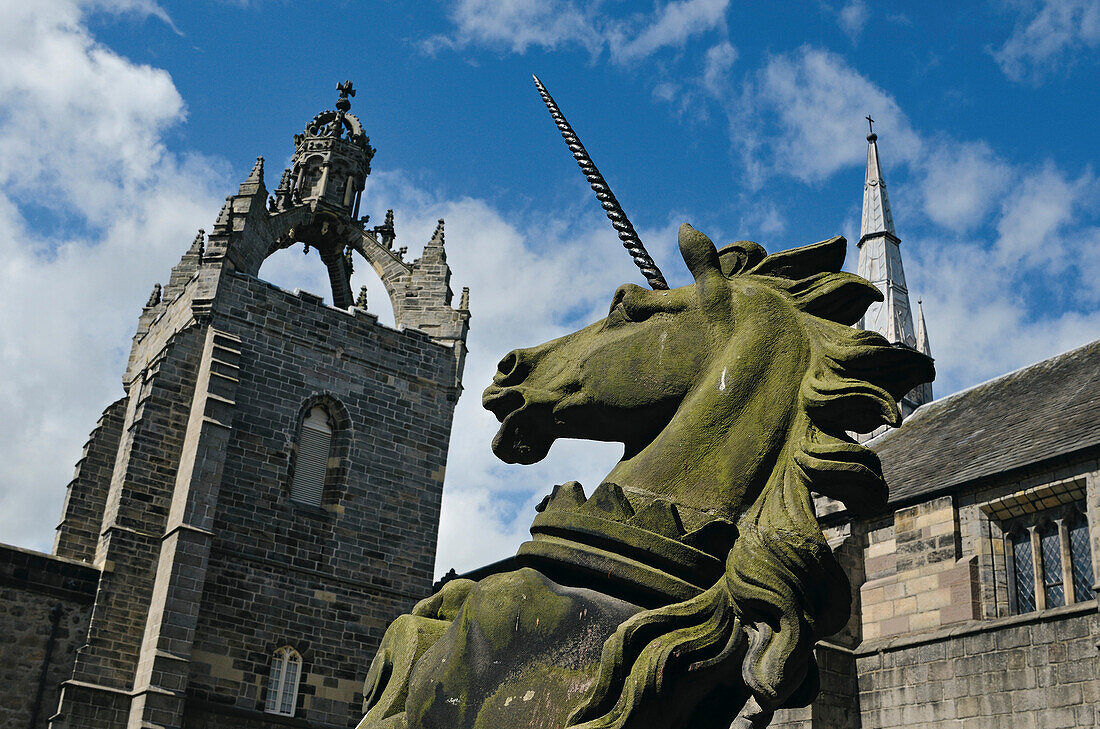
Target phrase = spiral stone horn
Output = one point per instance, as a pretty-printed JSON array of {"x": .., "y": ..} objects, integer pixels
[{"x": 615, "y": 214}]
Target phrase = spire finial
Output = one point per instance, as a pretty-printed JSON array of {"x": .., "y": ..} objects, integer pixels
[
  {"x": 615, "y": 214},
  {"x": 346, "y": 90},
  {"x": 361, "y": 302},
  {"x": 871, "y": 136}
]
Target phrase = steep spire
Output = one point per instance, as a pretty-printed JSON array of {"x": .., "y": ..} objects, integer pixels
[
  {"x": 880, "y": 258},
  {"x": 880, "y": 263},
  {"x": 877, "y": 217}
]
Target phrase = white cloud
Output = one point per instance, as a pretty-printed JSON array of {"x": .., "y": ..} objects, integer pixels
[
  {"x": 518, "y": 25},
  {"x": 1054, "y": 34},
  {"x": 962, "y": 182},
  {"x": 717, "y": 64},
  {"x": 1031, "y": 231},
  {"x": 80, "y": 141},
  {"x": 852, "y": 17},
  {"x": 800, "y": 114},
  {"x": 670, "y": 26}
]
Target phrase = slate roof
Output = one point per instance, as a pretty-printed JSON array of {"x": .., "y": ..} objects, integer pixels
[{"x": 1048, "y": 409}]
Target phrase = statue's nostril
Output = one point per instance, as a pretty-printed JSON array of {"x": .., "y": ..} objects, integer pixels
[
  {"x": 507, "y": 364},
  {"x": 512, "y": 369}
]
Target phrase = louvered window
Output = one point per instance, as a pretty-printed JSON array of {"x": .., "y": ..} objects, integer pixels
[
  {"x": 282, "y": 684},
  {"x": 314, "y": 445}
]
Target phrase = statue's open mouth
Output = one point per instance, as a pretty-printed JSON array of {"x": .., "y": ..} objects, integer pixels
[{"x": 525, "y": 434}]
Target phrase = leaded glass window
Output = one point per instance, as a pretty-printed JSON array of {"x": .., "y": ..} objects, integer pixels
[
  {"x": 282, "y": 685},
  {"x": 1023, "y": 571},
  {"x": 1080, "y": 558},
  {"x": 1050, "y": 550}
]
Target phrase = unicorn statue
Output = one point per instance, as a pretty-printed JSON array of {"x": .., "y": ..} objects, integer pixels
[{"x": 688, "y": 590}]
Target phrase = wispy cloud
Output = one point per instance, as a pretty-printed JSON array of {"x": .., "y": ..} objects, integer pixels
[
  {"x": 518, "y": 25},
  {"x": 1051, "y": 35},
  {"x": 799, "y": 111},
  {"x": 852, "y": 17},
  {"x": 81, "y": 132},
  {"x": 671, "y": 25}
]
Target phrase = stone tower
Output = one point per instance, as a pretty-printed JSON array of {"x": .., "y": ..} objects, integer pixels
[
  {"x": 880, "y": 263},
  {"x": 265, "y": 497}
]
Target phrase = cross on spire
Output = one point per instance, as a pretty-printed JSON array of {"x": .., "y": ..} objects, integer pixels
[
  {"x": 346, "y": 90},
  {"x": 870, "y": 124}
]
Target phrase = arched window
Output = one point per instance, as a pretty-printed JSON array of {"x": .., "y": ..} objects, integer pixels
[
  {"x": 282, "y": 684},
  {"x": 311, "y": 464}
]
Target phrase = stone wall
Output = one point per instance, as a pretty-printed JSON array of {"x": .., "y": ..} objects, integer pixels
[
  {"x": 1033, "y": 671},
  {"x": 45, "y": 603},
  {"x": 916, "y": 577}
]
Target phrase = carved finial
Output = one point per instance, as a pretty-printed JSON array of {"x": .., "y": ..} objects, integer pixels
[
  {"x": 437, "y": 236},
  {"x": 615, "y": 214},
  {"x": 198, "y": 246},
  {"x": 346, "y": 90},
  {"x": 385, "y": 231},
  {"x": 464, "y": 302},
  {"x": 361, "y": 302},
  {"x": 154, "y": 298},
  {"x": 257, "y": 173}
]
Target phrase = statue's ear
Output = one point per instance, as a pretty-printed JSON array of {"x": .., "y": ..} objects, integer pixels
[{"x": 699, "y": 253}]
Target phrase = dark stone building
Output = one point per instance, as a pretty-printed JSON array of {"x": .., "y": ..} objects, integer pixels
[{"x": 264, "y": 499}]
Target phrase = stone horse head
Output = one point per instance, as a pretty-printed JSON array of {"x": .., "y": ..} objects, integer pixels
[{"x": 733, "y": 397}]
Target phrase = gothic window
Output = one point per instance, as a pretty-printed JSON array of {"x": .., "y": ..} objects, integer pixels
[
  {"x": 311, "y": 462},
  {"x": 282, "y": 684},
  {"x": 1048, "y": 559}
]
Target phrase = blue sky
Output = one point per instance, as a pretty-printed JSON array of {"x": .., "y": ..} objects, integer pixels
[{"x": 123, "y": 123}]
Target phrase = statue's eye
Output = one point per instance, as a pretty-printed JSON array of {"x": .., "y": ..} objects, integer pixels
[
  {"x": 616, "y": 301},
  {"x": 629, "y": 304}
]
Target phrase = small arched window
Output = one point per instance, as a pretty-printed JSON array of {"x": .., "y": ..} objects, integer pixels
[
  {"x": 282, "y": 685},
  {"x": 311, "y": 464}
]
